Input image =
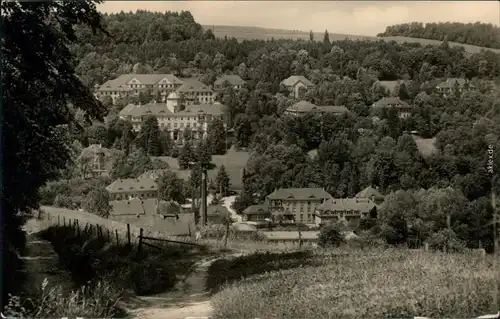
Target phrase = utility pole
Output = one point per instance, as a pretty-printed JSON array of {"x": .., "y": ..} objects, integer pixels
[{"x": 203, "y": 196}]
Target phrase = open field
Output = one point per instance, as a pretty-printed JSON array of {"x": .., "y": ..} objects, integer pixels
[
  {"x": 233, "y": 161},
  {"x": 255, "y": 33},
  {"x": 392, "y": 283},
  {"x": 425, "y": 146}
]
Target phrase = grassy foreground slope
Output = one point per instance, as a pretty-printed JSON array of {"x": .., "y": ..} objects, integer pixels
[
  {"x": 367, "y": 284},
  {"x": 249, "y": 33}
]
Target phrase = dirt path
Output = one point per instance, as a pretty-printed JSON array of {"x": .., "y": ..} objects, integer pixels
[
  {"x": 41, "y": 262},
  {"x": 189, "y": 298}
]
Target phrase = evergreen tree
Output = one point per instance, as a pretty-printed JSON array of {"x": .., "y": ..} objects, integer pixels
[
  {"x": 203, "y": 154},
  {"x": 216, "y": 135},
  {"x": 186, "y": 155},
  {"x": 149, "y": 137},
  {"x": 223, "y": 181},
  {"x": 127, "y": 138},
  {"x": 311, "y": 36},
  {"x": 166, "y": 143},
  {"x": 326, "y": 41}
]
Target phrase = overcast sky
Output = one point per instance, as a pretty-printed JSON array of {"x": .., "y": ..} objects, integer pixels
[{"x": 349, "y": 17}]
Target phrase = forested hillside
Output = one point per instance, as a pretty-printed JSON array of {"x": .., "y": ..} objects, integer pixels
[{"x": 480, "y": 34}]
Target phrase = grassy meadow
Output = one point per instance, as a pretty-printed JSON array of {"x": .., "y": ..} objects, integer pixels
[
  {"x": 242, "y": 33},
  {"x": 234, "y": 162},
  {"x": 393, "y": 283}
]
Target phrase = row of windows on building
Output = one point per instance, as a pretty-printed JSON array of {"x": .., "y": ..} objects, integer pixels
[{"x": 123, "y": 196}]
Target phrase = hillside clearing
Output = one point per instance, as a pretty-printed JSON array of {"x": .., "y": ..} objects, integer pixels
[{"x": 242, "y": 33}]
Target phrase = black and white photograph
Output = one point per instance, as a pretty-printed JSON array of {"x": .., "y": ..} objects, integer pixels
[{"x": 250, "y": 159}]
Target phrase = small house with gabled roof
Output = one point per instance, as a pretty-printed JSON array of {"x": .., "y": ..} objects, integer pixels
[
  {"x": 256, "y": 213},
  {"x": 295, "y": 83},
  {"x": 403, "y": 108},
  {"x": 304, "y": 107},
  {"x": 229, "y": 80},
  {"x": 372, "y": 194},
  {"x": 293, "y": 205}
]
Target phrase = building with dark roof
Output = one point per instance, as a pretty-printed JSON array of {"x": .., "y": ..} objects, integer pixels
[
  {"x": 453, "y": 85},
  {"x": 303, "y": 107},
  {"x": 147, "y": 214},
  {"x": 195, "y": 117},
  {"x": 343, "y": 208},
  {"x": 295, "y": 204},
  {"x": 229, "y": 80},
  {"x": 295, "y": 83},
  {"x": 403, "y": 108},
  {"x": 129, "y": 188},
  {"x": 256, "y": 213},
  {"x": 371, "y": 193}
]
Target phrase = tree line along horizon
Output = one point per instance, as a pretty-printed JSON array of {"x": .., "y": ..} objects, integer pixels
[{"x": 353, "y": 151}]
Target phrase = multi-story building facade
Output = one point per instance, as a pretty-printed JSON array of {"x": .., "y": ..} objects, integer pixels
[
  {"x": 132, "y": 84},
  {"x": 195, "y": 117},
  {"x": 303, "y": 107},
  {"x": 130, "y": 188},
  {"x": 189, "y": 91},
  {"x": 193, "y": 91},
  {"x": 295, "y": 205},
  {"x": 335, "y": 209}
]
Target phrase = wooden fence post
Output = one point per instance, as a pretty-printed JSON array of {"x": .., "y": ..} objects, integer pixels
[
  {"x": 140, "y": 242},
  {"x": 128, "y": 234},
  {"x": 58, "y": 220},
  {"x": 64, "y": 220},
  {"x": 117, "y": 240},
  {"x": 227, "y": 233},
  {"x": 90, "y": 229},
  {"x": 98, "y": 231}
]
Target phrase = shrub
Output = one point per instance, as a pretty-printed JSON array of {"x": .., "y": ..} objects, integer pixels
[
  {"x": 95, "y": 300},
  {"x": 88, "y": 258},
  {"x": 446, "y": 240},
  {"x": 330, "y": 236}
]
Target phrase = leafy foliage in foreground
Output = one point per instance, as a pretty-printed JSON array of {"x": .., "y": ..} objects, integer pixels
[
  {"x": 95, "y": 300},
  {"x": 89, "y": 258},
  {"x": 38, "y": 86}
]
